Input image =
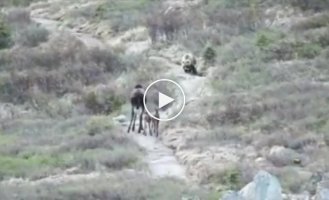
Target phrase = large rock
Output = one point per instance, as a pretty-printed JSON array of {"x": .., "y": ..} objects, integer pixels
[
  {"x": 322, "y": 194},
  {"x": 263, "y": 187},
  {"x": 322, "y": 191}
]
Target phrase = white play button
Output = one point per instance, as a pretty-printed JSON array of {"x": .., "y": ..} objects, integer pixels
[
  {"x": 164, "y": 100},
  {"x": 165, "y": 96}
]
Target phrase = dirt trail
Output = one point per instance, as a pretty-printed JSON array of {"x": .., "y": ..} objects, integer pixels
[{"x": 160, "y": 159}]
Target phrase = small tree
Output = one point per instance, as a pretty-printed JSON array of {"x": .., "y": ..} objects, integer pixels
[
  {"x": 209, "y": 55},
  {"x": 5, "y": 37}
]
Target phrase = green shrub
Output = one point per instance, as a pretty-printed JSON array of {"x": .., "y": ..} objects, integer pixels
[
  {"x": 31, "y": 35},
  {"x": 288, "y": 50},
  {"x": 17, "y": 2},
  {"x": 230, "y": 179},
  {"x": 209, "y": 55},
  {"x": 318, "y": 36},
  {"x": 98, "y": 124},
  {"x": 91, "y": 103},
  {"x": 309, "y": 51},
  {"x": 239, "y": 49},
  {"x": 26, "y": 165},
  {"x": 104, "y": 100},
  {"x": 316, "y": 21},
  {"x": 34, "y": 148},
  {"x": 124, "y": 186},
  {"x": 265, "y": 38},
  {"x": 5, "y": 35},
  {"x": 316, "y": 5}
]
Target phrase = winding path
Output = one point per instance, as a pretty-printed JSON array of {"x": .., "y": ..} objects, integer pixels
[{"x": 160, "y": 159}]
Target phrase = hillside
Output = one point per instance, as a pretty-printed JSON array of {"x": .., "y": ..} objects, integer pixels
[{"x": 68, "y": 66}]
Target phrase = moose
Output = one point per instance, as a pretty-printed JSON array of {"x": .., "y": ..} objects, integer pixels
[
  {"x": 152, "y": 123},
  {"x": 136, "y": 101},
  {"x": 137, "y": 104}
]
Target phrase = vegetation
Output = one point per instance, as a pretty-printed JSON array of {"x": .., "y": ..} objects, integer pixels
[
  {"x": 35, "y": 149},
  {"x": 268, "y": 80},
  {"x": 140, "y": 187},
  {"x": 17, "y": 2},
  {"x": 209, "y": 55},
  {"x": 5, "y": 35}
]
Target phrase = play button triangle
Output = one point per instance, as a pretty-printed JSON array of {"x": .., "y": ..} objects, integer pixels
[{"x": 164, "y": 100}]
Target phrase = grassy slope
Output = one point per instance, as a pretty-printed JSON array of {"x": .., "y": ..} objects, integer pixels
[
  {"x": 62, "y": 92},
  {"x": 268, "y": 84}
]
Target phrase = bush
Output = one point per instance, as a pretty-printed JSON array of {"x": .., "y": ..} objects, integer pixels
[
  {"x": 229, "y": 178},
  {"x": 316, "y": 21},
  {"x": 309, "y": 51},
  {"x": 288, "y": 50},
  {"x": 27, "y": 165},
  {"x": 57, "y": 67},
  {"x": 235, "y": 111},
  {"x": 33, "y": 148},
  {"x": 18, "y": 17},
  {"x": 31, "y": 36},
  {"x": 316, "y": 5},
  {"x": 103, "y": 100},
  {"x": 238, "y": 50},
  {"x": 209, "y": 55},
  {"x": 318, "y": 36},
  {"x": 265, "y": 38},
  {"x": 16, "y": 2},
  {"x": 125, "y": 186},
  {"x": 5, "y": 35}
]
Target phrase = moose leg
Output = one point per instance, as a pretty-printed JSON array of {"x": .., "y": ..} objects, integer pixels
[
  {"x": 134, "y": 121},
  {"x": 150, "y": 128},
  {"x": 156, "y": 128},
  {"x": 141, "y": 121},
  {"x": 131, "y": 119},
  {"x": 145, "y": 125}
]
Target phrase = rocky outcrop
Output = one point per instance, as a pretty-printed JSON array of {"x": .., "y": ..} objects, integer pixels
[
  {"x": 267, "y": 187},
  {"x": 263, "y": 187},
  {"x": 232, "y": 195}
]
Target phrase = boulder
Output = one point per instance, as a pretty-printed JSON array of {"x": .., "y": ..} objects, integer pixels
[
  {"x": 263, "y": 187},
  {"x": 322, "y": 191},
  {"x": 120, "y": 118},
  {"x": 322, "y": 194}
]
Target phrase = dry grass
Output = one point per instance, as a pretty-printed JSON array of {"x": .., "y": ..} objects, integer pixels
[
  {"x": 54, "y": 69},
  {"x": 123, "y": 186},
  {"x": 41, "y": 147},
  {"x": 269, "y": 89}
]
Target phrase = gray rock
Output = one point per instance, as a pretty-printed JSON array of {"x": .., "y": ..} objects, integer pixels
[
  {"x": 120, "y": 119},
  {"x": 232, "y": 195},
  {"x": 322, "y": 194},
  {"x": 322, "y": 191},
  {"x": 263, "y": 187}
]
